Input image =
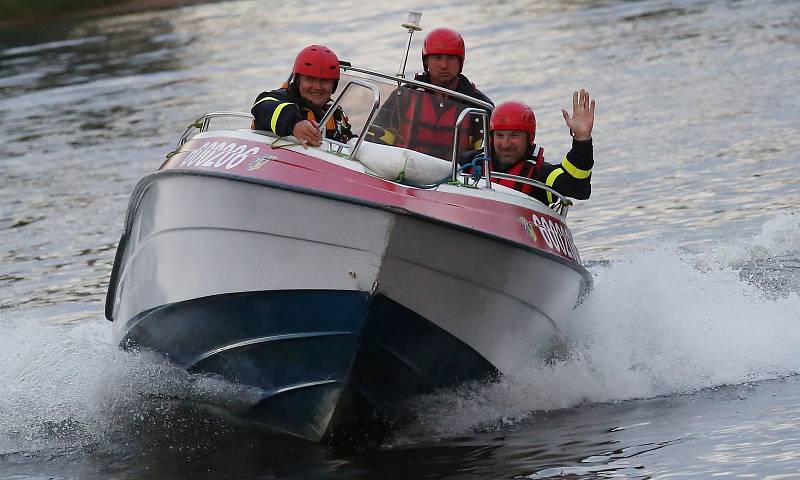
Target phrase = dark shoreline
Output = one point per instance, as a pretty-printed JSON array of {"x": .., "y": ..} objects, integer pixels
[{"x": 121, "y": 7}]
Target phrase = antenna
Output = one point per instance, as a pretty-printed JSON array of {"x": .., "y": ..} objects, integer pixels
[{"x": 412, "y": 24}]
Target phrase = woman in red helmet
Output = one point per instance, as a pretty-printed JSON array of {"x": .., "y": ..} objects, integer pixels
[
  {"x": 426, "y": 122},
  {"x": 295, "y": 108},
  {"x": 513, "y": 128}
]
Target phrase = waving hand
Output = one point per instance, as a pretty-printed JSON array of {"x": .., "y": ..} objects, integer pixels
[{"x": 582, "y": 119}]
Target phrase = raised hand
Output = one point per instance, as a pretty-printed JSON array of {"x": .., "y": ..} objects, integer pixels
[
  {"x": 582, "y": 119},
  {"x": 306, "y": 132}
]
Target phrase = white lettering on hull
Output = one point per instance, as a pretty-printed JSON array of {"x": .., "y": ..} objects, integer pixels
[
  {"x": 219, "y": 154},
  {"x": 554, "y": 234}
]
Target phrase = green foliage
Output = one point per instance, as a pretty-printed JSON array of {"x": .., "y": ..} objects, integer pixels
[{"x": 17, "y": 8}]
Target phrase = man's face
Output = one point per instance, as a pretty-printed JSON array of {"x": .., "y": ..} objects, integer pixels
[
  {"x": 510, "y": 146},
  {"x": 443, "y": 69},
  {"x": 316, "y": 91}
]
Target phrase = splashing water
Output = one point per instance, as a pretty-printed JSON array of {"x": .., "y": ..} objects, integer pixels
[
  {"x": 663, "y": 322},
  {"x": 69, "y": 386}
]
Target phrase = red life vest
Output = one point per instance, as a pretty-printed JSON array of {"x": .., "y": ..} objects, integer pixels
[
  {"x": 527, "y": 168},
  {"x": 428, "y": 127}
]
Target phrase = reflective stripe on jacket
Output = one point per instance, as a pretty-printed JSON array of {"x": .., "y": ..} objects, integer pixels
[
  {"x": 278, "y": 111},
  {"x": 572, "y": 178}
]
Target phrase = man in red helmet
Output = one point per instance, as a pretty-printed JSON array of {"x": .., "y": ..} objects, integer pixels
[
  {"x": 513, "y": 129},
  {"x": 443, "y": 54},
  {"x": 425, "y": 122},
  {"x": 295, "y": 108}
]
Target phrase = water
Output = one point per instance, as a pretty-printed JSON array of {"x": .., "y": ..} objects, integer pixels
[{"x": 682, "y": 362}]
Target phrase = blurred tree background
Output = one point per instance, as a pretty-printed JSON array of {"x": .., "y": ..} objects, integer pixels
[{"x": 16, "y": 8}]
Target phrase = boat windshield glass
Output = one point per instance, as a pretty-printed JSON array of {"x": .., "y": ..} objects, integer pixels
[{"x": 411, "y": 117}]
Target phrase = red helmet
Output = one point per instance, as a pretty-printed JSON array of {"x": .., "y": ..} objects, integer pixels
[
  {"x": 443, "y": 41},
  {"x": 514, "y": 116},
  {"x": 317, "y": 61}
]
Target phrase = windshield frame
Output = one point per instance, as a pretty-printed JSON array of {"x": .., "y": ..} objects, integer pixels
[
  {"x": 376, "y": 100},
  {"x": 427, "y": 86},
  {"x": 377, "y": 82}
]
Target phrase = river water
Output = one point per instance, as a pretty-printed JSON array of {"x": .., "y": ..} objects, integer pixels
[{"x": 684, "y": 358}]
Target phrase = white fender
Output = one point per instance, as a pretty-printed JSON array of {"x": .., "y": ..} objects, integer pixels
[{"x": 396, "y": 163}]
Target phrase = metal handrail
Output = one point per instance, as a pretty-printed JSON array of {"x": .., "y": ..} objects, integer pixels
[
  {"x": 376, "y": 101},
  {"x": 561, "y": 205},
  {"x": 424, "y": 85},
  {"x": 456, "y": 137},
  {"x": 203, "y": 122}
]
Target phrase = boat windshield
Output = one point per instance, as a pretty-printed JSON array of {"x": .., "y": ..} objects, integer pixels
[{"x": 412, "y": 117}]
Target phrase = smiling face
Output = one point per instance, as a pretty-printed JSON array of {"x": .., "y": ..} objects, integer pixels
[
  {"x": 510, "y": 146},
  {"x": 443, "y": 69},
  {"x": 315, "y": 91}
]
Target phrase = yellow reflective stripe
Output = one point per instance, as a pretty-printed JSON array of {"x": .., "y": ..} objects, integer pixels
[
  {"x": 575, "y": 171},
  {"x": 551, "y": 179},
  {"x": 265, "y": 99},
  {"x": 387, "y": 137},
  {"x": 275, "y": 114}
]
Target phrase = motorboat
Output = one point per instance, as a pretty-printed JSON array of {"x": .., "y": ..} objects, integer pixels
[{"x": 338, "y": 282}]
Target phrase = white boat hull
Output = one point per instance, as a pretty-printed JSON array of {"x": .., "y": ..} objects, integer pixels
[{"x": 224, "y": 265}]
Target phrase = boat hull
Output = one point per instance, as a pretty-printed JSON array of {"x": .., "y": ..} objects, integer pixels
[
  {"x": 332, "y": 310},
  {"x": 294, "y": 348}
]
